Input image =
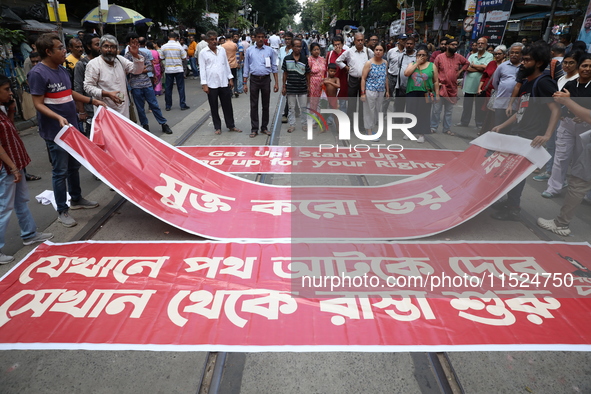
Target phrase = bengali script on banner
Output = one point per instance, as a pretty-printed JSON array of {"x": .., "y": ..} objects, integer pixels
[
  {"x": 271, "y": 297},
  {"x": 186, "y": 193}
]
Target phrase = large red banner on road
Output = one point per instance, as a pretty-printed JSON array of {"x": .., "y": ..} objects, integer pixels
[
  {"x": 352, "y": 160},
  {"x": 202, "y": 200},
  {"x": 274, "y": 297}
]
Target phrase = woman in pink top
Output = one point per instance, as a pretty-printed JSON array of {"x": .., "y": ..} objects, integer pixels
[
  {"x": 157, "y": 69},
  {"x": 317, "y": 71}
]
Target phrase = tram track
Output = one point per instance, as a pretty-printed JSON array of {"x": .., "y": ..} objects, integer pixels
[{"x": 438, "y": 363}]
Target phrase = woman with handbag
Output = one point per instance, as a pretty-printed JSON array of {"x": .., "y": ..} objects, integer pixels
[{"x": 422, "y": 90}]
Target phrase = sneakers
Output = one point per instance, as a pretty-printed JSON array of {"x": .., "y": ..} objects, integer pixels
[
  {"x": 65, "y": 219},
  {"x": 83, "y": 204},
  {"x": 548, "y": 195},
  {"x": 39, "y": 237},
  {"x": 166, "y": 129},
  {"x": 511, "y": 213},
  {"x": 421, "y": 139},
  {"x": 5, "y": 259},
  {"x": 544, "y": 176},
  {"x": 550, "y": 225},
  {"x": 185, "y": 108}
]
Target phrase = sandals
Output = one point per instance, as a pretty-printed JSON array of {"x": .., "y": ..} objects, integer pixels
[
  {"x": 265, "y": 132},
  {"x": 218, "y": 132},
  {"x": 449, "y": 132},
  {"x": 291, "y": 130},
  {"x": 253, "y": 134},
  {"x": 236, "y": 130},
  {"x": 31, "y": 177}
]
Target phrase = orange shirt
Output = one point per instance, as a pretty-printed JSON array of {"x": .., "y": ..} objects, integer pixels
[{"x": 231, "y": 48}]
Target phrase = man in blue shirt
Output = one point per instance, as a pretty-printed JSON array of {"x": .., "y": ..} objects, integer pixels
[{"x": 260, "y": 62}]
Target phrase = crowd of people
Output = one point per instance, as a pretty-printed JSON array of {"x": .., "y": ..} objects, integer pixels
[{"x": 525, "y": 90}]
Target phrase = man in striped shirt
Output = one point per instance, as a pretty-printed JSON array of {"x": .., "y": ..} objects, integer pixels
[
  {"x": 53, "y": 98},
  {"x": 173, "y": 53}
]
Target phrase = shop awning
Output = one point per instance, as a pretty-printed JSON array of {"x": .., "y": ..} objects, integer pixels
[
  {"x": 543, "y": 15},
  {"x": 518, "y": 17},
  {"x": 33, "y": 25}
]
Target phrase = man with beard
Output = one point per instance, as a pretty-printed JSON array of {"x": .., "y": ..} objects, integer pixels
[
  {"x": 85, "y": 110},
  {"x": 442, "y": 49},
  {"x": 478, "y": 62},
  {"x": 536, "y": 117},
  {"x": 106, "y": 74},
  {"x": 450, "y": 66},
  {"x": 54, "y": 101}
]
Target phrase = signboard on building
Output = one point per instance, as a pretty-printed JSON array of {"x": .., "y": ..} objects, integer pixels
[
  {"x": 585, "y": 34},
  {"x": 491, "y": 20},
  {"x": 410, "y": 21}
]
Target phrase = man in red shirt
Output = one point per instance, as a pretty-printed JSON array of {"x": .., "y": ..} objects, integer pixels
[
  {"x": 450, "y": 66},
  {"x": 14, "y": 193}
]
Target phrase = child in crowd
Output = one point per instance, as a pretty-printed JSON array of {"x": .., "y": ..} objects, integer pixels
[{"x": 332, "y": 85}]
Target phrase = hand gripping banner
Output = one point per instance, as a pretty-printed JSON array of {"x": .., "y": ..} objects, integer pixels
[
  {"x": 199, "y": 199},
  {"x": 430, "y": 296}
]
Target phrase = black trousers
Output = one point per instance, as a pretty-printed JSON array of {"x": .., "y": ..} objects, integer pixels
[
  {"x": 262, "y": 86},
  {"x": 469, "y": 100},
  {"x": 225, "y": 97}
]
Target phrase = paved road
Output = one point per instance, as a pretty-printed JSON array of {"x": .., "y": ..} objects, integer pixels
[{"x": 179, "y": 372}]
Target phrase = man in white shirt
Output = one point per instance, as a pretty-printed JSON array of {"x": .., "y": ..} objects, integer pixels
[
  {"x": 173, "y": 54},
  {"x": 353, "y": 62},
  {"x": 275, "y": 43},
  {"x": 392, "y": 57},
  {"x": 216, "y": 81}
]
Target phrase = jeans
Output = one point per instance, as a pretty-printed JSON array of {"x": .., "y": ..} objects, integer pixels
[
  {"x": 180, "y": 84},
  {"x": 140, "y": 96},
  {"x": 292, "y": 99},
  {"x": 65, "y": 170},
  {"x": 514, "y": 195},
  {"x": 194, "y": 69},
  {"x": 436, "y": 114},
  {"x": 14, "y": 196},
  {"x": 551, "y": 148},
  {"x": 238, "y": 84}
]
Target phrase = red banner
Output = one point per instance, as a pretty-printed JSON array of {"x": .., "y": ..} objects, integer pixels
[
  {"x": 358, "y": 160},
  {"x": 202, "y": 200},
  {"x": 271, "y": 297}
]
